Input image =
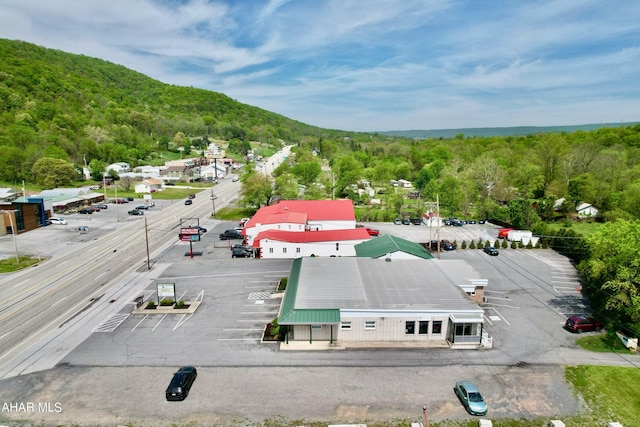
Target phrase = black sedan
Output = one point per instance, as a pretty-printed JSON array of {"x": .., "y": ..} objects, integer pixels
[
  {"x": 181, "y": 383},
  {"x": 136, "y": 212},
  {"x": 491, "y": 250}
]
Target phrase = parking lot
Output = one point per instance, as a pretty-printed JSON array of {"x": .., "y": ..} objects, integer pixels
[{"x": 529, "y": 295}]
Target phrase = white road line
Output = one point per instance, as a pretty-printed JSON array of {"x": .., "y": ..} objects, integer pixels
[
  {"x": 159, "y": 321},
  {"x": 18, "y": 284},
  {"x": 140, "y": 322},
  {"x": 58, "y": 302}
]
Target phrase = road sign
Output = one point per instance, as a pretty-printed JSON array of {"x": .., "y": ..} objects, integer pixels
[
  {"x": 189, "y": 230},
  {"x": 190, "y": 237}
]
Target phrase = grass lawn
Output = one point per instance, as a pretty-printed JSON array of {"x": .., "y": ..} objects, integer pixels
[
  {"x": 603, "y": 343},
  {"x": 582, "y": 228},
  {"x": 9, "y": 265}
]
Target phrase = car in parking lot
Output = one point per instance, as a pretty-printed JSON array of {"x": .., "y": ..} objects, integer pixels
[
  {"x": 85, "y": 211},
  {"x": 491, "y": 250},
  {"x": 135, "y": 212},
  {"x": 102, "y": 206},
  {"x": 202, "y": 229},
  {"x": 243, "y": 221},
  {"x": 181, "y": 383},
  {"x": 231, "y": 234},
  {"x": 235, "y": 179},
  {"x": 406, "y": 221},
  {"x": 241, "y": 252},
  {"x": 56, "y": 220},
  {"x": 188, "y": 202},
  {"x": 447, "y": 245},
  {"x": 145, "y": 207},
  {"x": 582, "y": 324},
  {"x": 372, "y": 231},
  {"x": 397, "y": 221},
  {"x": 472, "y": 221},
  {"x": 416, "y": 221},
  {"x": 470, "y": 398}
]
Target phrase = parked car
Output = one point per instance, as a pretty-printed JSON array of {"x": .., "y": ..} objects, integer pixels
[
  {"x": 448, "y": 222},
  {"x": 241, "y": 252},
  {"x": 235, "y": 179},
  {"x": 470, "y": 398},
  {"x": 416, "y": 221},
  {"x": 145, "y": 207},
  {"x": 85, "y": 211},
  {"x": 188, "y": 202},
  {"x": 582, "y": 324},
  {"x": 372, "y": 231},
  {"x": 397, "y": 221},
  {"x": 192, "y": 196},
  {"x": 129, "y": 199},
  {"x": 472, "y": 221},
  {"x": 136, "y": 212},
  {"x": 447, "y": 245},
  {"x": 239, "y": 245},
  {"x": 102, "y": 206},
  {"x": 231, "y": 234},
  {"x": 457, "y": 223},
  {"x": 406, "y": 221},
  {"x": 202, "y": 229},
  {"x": 243, "y": 221},
  {"x": 482, "y": 221},
  {"x": 491, "y": 250},
  {"x": 181, "y": 383},
  {"x": 56, "y": 220}
]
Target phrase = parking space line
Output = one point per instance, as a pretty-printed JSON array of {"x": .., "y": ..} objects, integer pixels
[
  {"x": 140, "y": 322},
  {"x": 110, "y": 323},
  {"x": 501, "y": 316},
  {"x": 159, "y": 321},
  {"x": 182, "y": 320}
]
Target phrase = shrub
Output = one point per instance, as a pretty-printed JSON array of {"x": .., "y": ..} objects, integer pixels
[
  {"x": 530, "y": 245},
  {"x": 464, "y": 244},
  {"x": 282, "y": 285},
  {"x": 480, "y": 244},
  {"x": 504, "y": 244},
  {"x": 180, "y": 304},
  {"x": 472, "y": 245},
  {"x": 514, "y": 245},
  {"x": 275, "y": 328},
  {"x": 166, "y": 302},
  {"x": 151, "y": 304},
  {"x": 487, "y": 244}
]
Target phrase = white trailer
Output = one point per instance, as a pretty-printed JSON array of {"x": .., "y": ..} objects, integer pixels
[{"x": 518, "y": 235}]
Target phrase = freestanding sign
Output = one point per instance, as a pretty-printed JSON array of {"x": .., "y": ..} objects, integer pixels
[{"x": 166, "y": 291}]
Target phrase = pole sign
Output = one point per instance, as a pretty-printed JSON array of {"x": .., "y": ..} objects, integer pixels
[
  {"x": 190, "y": 234},
  {"x": 166, "y": 291}
]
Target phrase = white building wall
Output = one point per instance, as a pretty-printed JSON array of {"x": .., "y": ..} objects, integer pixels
[
  {"x": 390, "y": 326},
  {"x": 317, "y": 333},
  {"x": 286, "y": 250},
  {"x": 331, "y": 225},
  {"x": 252, "y": 232}
]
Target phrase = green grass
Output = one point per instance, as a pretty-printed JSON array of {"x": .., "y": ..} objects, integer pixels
[
  {"x": 603, "y": 343},
  {"x": 582, "y": 228},
  {"x": 9, "y": 265},
  {"x": 234, "y": 213},
  {"x": 611, "y": 393}
]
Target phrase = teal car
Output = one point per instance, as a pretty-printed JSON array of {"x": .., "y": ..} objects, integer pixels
[{"x": 470, "y": 398}]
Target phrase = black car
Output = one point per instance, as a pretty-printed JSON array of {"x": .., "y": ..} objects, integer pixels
[
  {"x": 85, "y": 211},
  {"x": 446, "y": 245},
  {"x": 491, "y": 250},
  {"x": 231, "y": 234},
  {"x": 202, "y": 229},
  {"x": 145, "y": 207},
  {"x": 136, "y": 212},
  {"x": 181, "y": 383},
  {"x": 102, "y": 206},
  {"x": 241, "y": 252},
  {"x": 406, "y": 221},
  {"x": 188, "y": 202},
  {"x": 416, "y": 221}
]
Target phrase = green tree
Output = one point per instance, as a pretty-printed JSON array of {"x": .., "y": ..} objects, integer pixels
[
  {"x": 612, "y": 272},
  {"x": 53, "y": 173},
  {"x": 256, "y": 190},
  {"x": 306, "y": 172},
  {"x": 286, "y": 187}
]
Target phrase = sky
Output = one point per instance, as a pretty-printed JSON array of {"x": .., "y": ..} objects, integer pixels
[{"x": 368, "y": 65}]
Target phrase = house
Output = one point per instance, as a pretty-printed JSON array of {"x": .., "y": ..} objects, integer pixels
[
  {"x": 291, "y": 244},
  {"x": 215, "y": 170},
  {"x": 300, "y": 216},
  {"x": 586, "y": 210},
  {"x": 8, "y": 194},
  {"x": 404, "y": 183},
  {"x": 391, "y": 247},
  {"x": 150, "y": 185},
  {"x": 343, "y": 300},
  {"x": 119, "y": 168},
  {"x": 59, "y": 200}
]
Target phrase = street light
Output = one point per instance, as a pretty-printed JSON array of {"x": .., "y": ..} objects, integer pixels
[{"x": 13, "y": 231}]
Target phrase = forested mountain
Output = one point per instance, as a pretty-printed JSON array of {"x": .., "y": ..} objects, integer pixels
[{"x": 74, "y": 107}]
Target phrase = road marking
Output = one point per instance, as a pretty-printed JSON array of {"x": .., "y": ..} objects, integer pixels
[
  {"x": 140, "y": 322},
  {"x": 2, "y": 336},
  {"x": 18, "y": 284},
  {"x": 260, "y": 295},
  {"x": 110, "y": 323},
  {"x": 58, "y": 302},
  {"x": 159, "y": 321}
]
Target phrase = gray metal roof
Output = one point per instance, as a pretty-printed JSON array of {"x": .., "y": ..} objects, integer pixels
[{"x": 373, "y": 284}]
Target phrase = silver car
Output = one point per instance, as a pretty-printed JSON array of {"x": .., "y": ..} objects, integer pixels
[{"x": 470, "y": 398}]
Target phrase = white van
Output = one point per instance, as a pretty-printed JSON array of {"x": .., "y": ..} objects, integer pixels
[{"x": 56, "y": 220}]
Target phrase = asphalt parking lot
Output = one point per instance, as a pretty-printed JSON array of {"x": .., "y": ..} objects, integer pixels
[{"x": 130, "y": 358}]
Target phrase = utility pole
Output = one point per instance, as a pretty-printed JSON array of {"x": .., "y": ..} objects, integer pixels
[
  {"x": 213, "y": 201},
  {"x": 13, "y": 231},
  {"x": 146, "y": 235}
]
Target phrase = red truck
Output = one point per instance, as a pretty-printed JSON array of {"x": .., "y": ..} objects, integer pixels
[{"x": 503, "y": 233}]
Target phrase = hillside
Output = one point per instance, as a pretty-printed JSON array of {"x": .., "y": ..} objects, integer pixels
[
  {"x": 499, "y": 131},
  {"x": 75, "y": 107}
]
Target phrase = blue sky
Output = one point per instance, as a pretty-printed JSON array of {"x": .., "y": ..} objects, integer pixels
[{"x": 368, "y": 65}]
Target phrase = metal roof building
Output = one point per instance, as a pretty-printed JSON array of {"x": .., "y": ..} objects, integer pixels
[{"x": 364, "y": 299}]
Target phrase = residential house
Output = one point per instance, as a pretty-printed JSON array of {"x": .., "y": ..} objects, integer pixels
[
  {"x": 150, "y": 185},
  {"x": 586, "y": 210}
]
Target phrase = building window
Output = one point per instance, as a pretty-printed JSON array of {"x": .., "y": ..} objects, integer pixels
[
  {"x": 316, "y": 326},
  {"x": 410, "y": 328},
  {"x": 297, "y": 250},
  {"x": 337, "y": 246},
  {"x": 369, "y": 325},
  {"x": 284, "y": 250},
  {"x": 437, "y": 327},
  {"x": 423, "y": 327},
  {"x": 270, "y": 250},
  {"x": 345, "y": 326}
]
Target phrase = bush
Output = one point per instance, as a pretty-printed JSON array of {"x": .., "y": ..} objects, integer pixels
[
  {"x": 282, "y": 285},
  {"x": 151, "y": 304},
  {"x": 480, "y": 244},
  {"x": 166, "y": 302},
  {"x": 180, "y": 304},
  {"x": 464, "y": 244},
  {"x": 472, "y": 245},
  {"x": 487, "y": 244},
  {"x": 275, "y": 328},
  {"x": 514, "y": 245},
  {"x": 504, "y": 244}
]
